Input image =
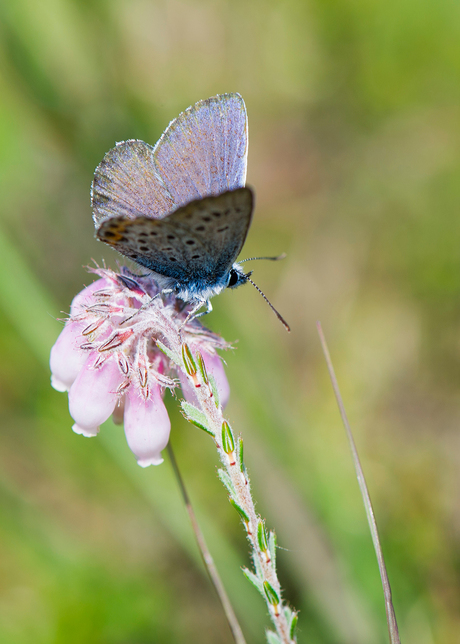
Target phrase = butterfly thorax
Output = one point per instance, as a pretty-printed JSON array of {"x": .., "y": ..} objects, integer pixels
[{"x": 202, "y": 290}]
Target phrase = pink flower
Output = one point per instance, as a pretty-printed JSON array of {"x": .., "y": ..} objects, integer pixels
[
  {"x": 93, "y": 395},
  {"x": 66, "y": 360},
  {"x": 114, "y": 357},
  {"x": 147, "y": 426}
]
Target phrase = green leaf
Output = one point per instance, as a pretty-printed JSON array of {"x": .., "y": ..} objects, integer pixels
[
  {"x": 228, "y": 442},
  {"x": 195, "y": 416},
  {"x": 272, "y": 638},
  {"x": 255, "y": 581},
  {"x": 293, "y": 624},
  {"x": 171, "y": 355},
  {"x": 271, "y": 594},
  {"x": 240, "y": 510},
  {"x": 262, "y": 536},
  {"x": 224, "y": 477},
  {"x": 202, "y": 368},
  {"x": 240, "y": 455},
  {"x": 257, "y": 566},
  {"x": 188, "y": 360}
]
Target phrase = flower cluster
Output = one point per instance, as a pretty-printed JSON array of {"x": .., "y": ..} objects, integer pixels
[{"x": 112, "y": 358}]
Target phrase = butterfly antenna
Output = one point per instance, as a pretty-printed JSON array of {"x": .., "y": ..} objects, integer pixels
[
  {"x": 272, "y": 259},
  {"x": 279, "y": 316}
]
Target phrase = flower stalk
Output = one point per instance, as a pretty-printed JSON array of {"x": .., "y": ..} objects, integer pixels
[
  {"x": 207, "y": 557},
  {"x": 235, "y": 478}
]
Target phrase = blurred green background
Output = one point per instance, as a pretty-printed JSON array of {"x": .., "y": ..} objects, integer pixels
[{"x": 354, "y": 155}]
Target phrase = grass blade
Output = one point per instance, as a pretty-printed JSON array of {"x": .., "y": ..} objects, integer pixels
[{"x": 389, "y": 609}]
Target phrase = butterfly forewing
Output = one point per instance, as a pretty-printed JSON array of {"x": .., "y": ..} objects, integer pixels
[
  {"x": 199, "y": 241},
  {"x": 126, "y": 183},
  {"x": 203, "y": 152}
]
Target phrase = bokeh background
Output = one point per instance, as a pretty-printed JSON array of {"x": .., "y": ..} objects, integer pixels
[{"x": 354, "y": 155}]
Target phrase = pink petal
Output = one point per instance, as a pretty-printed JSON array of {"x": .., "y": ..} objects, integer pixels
[
  {"x": 92, "y": 397},
  {"x": 85, "y": 297},
  {"x": 147, "y": 426},
  {"x": 67, "y": 358},
  {"x": 214, "y": 367}
]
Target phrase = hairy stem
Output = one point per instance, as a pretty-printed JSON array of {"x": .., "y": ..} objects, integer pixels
[
  {"x": 207, "y": 557},
  {"x": 235, "y": 478}
]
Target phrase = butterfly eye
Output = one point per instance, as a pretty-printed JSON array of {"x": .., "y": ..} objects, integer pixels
[{"x": 233, "y": 278}]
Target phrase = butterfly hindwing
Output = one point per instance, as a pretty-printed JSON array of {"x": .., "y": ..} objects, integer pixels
[{"x": 199, "y": 241}]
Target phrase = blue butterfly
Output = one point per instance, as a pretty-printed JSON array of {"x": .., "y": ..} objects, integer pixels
[{"x": 181, "y": 208}]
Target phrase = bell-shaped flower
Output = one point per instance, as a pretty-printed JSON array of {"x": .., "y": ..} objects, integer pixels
[
  {"x": 113, "y": 357},
  {"x": 93, "y": 396},
  {"x": 147, "y": 426}
]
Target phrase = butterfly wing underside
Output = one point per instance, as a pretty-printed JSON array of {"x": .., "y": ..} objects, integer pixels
[
  {"x": 202, "y": 152},
  {"x": 197, "y": 243}
]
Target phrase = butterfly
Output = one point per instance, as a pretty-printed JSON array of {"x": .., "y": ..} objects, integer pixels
[{"x": 181, "y": 208}]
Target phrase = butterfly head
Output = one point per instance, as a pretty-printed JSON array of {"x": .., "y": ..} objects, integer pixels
[{"x": 237, "y": 276}]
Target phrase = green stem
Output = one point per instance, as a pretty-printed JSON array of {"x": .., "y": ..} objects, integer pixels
[{"x": 206, "y": 556}]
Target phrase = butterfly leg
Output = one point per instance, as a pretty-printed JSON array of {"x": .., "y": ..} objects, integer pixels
[
  {"x": 194, "y": 312},
  {"x": 208, "y": 309}
]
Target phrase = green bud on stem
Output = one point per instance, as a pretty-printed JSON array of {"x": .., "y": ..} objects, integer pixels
[
  {"x": 202, "y": 368},
  {"x": 188, "y": 360},
  {"x": 270, "y": 594},
  {"x": 228, "y": 442}
]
